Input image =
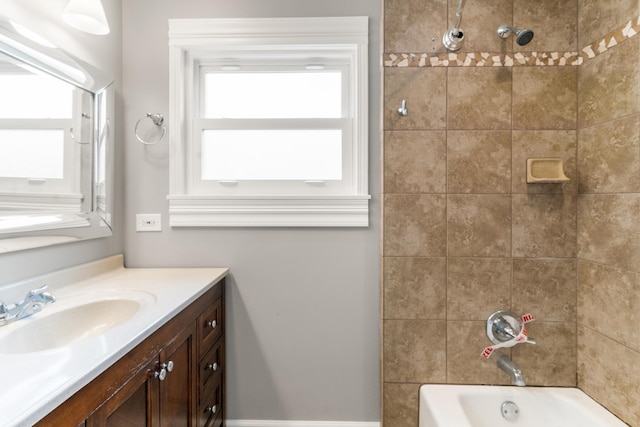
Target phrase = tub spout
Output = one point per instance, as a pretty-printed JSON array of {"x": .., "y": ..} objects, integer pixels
[{"x": 512, "y": 370}]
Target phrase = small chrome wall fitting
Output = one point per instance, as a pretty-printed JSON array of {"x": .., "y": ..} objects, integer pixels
[{"x": 403, "y": 108}]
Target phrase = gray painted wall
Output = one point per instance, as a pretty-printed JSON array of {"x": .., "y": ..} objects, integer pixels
[
  {"x": 104, "y": 52},
  {"x": 302, "y": 304}
]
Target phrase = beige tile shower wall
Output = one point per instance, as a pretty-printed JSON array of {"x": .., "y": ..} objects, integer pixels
[
  {"x": 597, "y": 17},
  {"x": 464, "y": 235},
  {"x": 608, "y": 165}
]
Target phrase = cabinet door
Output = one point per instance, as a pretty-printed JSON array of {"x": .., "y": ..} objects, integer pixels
[
  {"x": 178, "y": 389},
  {"x": 162, "y": 394},
  {"x": 134, "y": 405}
]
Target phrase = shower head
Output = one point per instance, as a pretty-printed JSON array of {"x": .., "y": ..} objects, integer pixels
[{"x": 523, "y": 36}]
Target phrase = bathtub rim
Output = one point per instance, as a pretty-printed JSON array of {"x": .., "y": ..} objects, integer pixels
[{"x": 449, "y": 410}]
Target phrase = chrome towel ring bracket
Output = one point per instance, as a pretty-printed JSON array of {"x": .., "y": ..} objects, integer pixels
[{"x": 150, "y": 131}]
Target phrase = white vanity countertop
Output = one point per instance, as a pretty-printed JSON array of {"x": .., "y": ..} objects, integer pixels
[{"x": 35, "y": 383}]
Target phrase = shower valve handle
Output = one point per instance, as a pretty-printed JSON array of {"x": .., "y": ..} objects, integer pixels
[{"x": 506, "y": 329}]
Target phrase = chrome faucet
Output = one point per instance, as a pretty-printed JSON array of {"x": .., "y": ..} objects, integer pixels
[
  {"x": 35, "y": 300},
  {"x": 511, "y": 369}
]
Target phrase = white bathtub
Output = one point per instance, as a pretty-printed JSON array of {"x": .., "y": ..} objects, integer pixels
[{"x": 482, "y": 406}]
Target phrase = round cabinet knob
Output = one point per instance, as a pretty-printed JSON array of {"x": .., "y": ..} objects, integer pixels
[
  {"x": 213, "y": 324},
  {"x": 213, "y": 366},
  {"x": 213, "y": 409},
  {"x": 161, "y": 374}
]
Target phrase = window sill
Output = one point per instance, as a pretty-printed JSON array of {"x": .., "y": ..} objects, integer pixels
[
  {"x": 268, "y": 211},
  {"x": 41, "y": 202}
]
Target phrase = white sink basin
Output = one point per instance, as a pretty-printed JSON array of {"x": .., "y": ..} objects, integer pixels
[{"x": 71, "y": 321}]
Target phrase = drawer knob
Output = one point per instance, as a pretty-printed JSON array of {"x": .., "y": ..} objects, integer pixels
[
  {"x": 213, "y": 324},
  {"x": 213, "y": 366},
  {"x": 213, "y": 409}
]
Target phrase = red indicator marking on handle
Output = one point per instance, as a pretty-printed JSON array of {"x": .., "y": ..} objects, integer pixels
[{"x": 487, "y": 352}]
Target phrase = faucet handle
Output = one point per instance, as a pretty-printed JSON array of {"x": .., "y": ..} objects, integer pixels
[
  {"x": 40, "y": 295},
  {"x": 33, "y": 292}
]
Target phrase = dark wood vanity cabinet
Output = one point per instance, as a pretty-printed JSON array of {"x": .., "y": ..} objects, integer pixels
[{"x": 175, "y": 378}]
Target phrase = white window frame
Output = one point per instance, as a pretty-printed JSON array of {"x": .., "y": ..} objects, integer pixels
[{"x": 195, "y": 42}]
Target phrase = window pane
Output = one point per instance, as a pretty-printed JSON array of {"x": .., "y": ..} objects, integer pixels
[
  {"x": 273, "y": 95},
  {"x": 272, "y": 155},
  {"x": 32, "y": 154},
  {"x": 30, "y": 96}
]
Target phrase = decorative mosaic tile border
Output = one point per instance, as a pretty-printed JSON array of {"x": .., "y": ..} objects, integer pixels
[
  {"x": 612, "y": 39},
  {"x": 482, "y": 59},
  {"x": 515, "y": 59}
]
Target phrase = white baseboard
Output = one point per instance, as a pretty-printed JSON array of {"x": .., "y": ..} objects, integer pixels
[{"x": 277, "y": 423}]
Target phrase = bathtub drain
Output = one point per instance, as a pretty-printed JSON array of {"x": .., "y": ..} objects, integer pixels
[{"x": 510, "y": 410}]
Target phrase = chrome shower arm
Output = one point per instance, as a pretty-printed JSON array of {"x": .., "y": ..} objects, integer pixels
[
  {"x": 453, "y": 38},
  {"x": 456, "y": 26}
]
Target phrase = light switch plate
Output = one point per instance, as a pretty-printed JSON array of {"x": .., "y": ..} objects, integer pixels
[{"x": 148, "y": 222}]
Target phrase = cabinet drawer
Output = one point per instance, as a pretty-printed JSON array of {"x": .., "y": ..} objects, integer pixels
[
  {"x": 211, "y": 364},
  {"x": 210, "y": 324},
  {"x": 210, "y": 408}
]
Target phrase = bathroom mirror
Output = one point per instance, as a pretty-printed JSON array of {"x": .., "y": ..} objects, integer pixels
[{"x": 56, "y": 144}]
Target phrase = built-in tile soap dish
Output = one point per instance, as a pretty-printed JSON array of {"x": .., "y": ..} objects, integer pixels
[{"x": 541, "y": 170}]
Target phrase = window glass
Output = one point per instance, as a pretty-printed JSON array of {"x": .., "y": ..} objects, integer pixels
[
  {"x": 44, "y": 149},
  {"x": 272, "y": 154},
  {"x": 272, "y": 95},
  {"x": 30, "y": 96}
]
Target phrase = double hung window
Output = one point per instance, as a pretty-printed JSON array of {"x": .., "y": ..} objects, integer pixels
[{"x": 269, "y": 122}]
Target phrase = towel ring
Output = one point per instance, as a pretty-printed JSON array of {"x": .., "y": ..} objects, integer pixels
[
  {"x": 73, "y": 136},
  {"x": 76, "y": 140},
  {"x": 158, "y": 121}
]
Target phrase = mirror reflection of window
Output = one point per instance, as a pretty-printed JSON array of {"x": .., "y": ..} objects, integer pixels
[
  {"x": 38, "y": 153},
  {"x": 49, "y": 155}
]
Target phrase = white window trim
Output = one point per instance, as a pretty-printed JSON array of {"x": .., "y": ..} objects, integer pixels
[
  {"x": 189, "y": 36},
  {"x": 46, "y": 202}
]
